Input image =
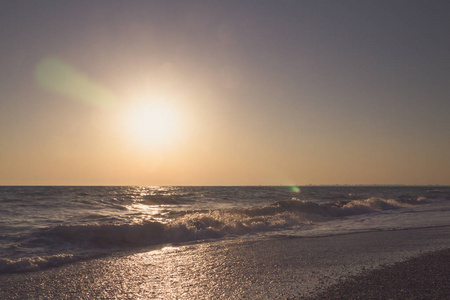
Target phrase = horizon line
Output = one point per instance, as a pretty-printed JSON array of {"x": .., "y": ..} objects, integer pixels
[{"x": 243, "y": 185}]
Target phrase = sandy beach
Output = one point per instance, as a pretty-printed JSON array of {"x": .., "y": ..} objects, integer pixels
[
  {"x": 274, "y": 268},
  {"x": 423, "y": 277}
]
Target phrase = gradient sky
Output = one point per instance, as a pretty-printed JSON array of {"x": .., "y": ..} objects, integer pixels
[{"x": 265, "y": 92}]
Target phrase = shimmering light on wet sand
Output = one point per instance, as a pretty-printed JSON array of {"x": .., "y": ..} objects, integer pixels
[
  {"x": 276, "y": 268},
  {"x": 232, "y": 269}
]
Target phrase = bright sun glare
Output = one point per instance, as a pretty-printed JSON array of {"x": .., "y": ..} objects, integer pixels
[{"x": 153, "y": 123}]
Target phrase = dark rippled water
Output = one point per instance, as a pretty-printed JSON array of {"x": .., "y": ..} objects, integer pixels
[{"x": 47, "y": 226}]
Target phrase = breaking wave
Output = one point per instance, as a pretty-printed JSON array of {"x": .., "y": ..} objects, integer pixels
[{"x": 90, "y": 240}]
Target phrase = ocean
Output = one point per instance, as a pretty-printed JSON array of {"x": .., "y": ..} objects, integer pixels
[{"x": 46, "y": 227}]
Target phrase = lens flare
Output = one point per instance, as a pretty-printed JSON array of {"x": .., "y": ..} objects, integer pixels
[
  {"x": 294, "y": 189},
  {"x": 56, "y": 76}
]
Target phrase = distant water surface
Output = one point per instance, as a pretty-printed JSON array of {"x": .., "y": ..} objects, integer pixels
[{"x": 43, "y": 227}]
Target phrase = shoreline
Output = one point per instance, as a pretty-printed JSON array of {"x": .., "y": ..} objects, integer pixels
[
  {"x": 422, "y": 277},
  {"x": 268, "y": 268}
]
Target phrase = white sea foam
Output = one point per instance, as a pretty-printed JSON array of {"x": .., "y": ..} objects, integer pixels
[
  {"x": 215, "y": 223},
  {"x": 34, "y": 263}
]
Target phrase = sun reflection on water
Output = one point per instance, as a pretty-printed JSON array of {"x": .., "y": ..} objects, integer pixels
[{"x": 152, "y": 203}]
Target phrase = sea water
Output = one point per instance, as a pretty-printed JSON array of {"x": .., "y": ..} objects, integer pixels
[{"x": 43, "y": 227}]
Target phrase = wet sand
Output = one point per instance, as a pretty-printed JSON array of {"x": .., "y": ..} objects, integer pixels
[
  {"x": 268, "y": 268},
  {"x": 423, "y": 277}
]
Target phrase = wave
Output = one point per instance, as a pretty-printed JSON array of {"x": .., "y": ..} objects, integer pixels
[
  {"x": 334, "y": 209},
  {"x": 187, "y": 226},
  {"x": 35, "y": 263},
  {"x": 159, "y": 200}
]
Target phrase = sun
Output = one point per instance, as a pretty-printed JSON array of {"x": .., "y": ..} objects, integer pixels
[{"x": 153, "y": 122}]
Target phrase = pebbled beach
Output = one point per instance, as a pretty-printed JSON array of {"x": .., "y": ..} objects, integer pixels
[{"x": 423, "y": 277}]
